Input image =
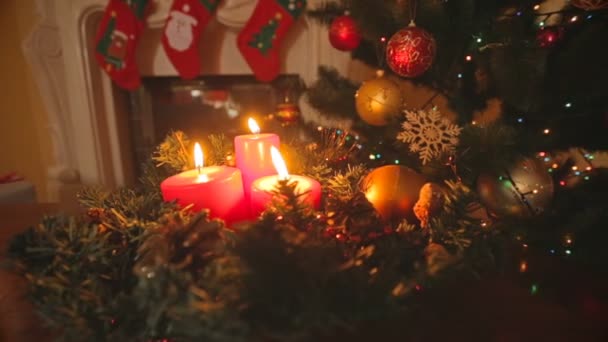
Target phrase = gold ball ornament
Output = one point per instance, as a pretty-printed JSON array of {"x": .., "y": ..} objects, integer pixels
[
  {"x": 378, "y": 100},
  {"x": 393, "y": 190},
  {"x": 287, "y": 113},
  {"x": 523, "y": 190}
]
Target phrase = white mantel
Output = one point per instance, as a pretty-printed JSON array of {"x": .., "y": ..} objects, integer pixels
[{"x": 84, "y": 110}]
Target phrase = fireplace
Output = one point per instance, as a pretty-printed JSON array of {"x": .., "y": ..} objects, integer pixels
[
  {"x": 89, "y": 117},
  {"x": 208, "y": 105}
]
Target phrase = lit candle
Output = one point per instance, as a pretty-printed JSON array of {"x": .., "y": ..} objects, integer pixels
[
  {"x": 217, "y": 188},
  {"x": 261, "y": 190},
  {"x": 252, "y": 152}
]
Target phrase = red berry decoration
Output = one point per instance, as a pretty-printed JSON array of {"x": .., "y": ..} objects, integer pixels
[
  {"x": 344, "y": 34},
  {"x": 590, "y": 5},
  {"x": 549, "y": 36},
  {"x": 411, "y": 51}
]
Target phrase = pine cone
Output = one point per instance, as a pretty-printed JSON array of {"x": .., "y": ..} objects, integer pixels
[
  {"x": 430, "y": 202},
  {"x": 437, "y": 258}
]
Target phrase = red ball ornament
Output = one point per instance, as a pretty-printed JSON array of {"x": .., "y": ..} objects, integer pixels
[
  {"x": 549, "y": 36},
  {"x": 411, "y": 51},
  {"x": 344, "y": 34}
]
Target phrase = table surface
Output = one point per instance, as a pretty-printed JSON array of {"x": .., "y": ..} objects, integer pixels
[{"x": 496, "y": 309}]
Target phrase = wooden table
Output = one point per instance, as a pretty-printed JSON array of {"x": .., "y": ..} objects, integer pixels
[
  {"x": 497, "y": 309},
  {"x": 17, "y": 319}
]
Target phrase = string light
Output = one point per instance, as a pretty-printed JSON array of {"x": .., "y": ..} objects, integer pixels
[
  {"x": 574, "y": 19},
  {"x": 568, "y": 252},
  {"x": 568, "y": 105},
  {"x": 534, "y": 289},
  {"x": 479, "y": 40},
  {"x": 523, "y": 266},
  {"x": 459, "y": 75},
  {"x": 468, "y": 58},
  {"x": 520, "y": 120},
  {"x": 562, "y": 183},
  {"x": 546, "y": 131},
  {"x": 536, "y": 7}
]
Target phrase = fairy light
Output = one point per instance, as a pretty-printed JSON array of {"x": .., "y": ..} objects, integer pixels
[
  {"x": 383, "y": 39},
  {"x": 372, "y": 157},
  {"x": 568, "y": 105},
  {"x": 574, "y": 168},
  {"x": 555, "y": 165},
  {"x": 546, "y": 131},
  {"x": 534, "y": 289},
  {"x": 542, "y": 154},
  {"x": 588, "y": 168},
  {"x": 479, "y": 40},
  {"x": 547, "y": 159},
  {"x": 574, "y": 19},
  {"x": 568, "y": 252},
  {"x": 459, "y": 75},
  {"x": 523, "y": 266},
  {"x": 535, "y": 191},
  {"x": 520, "y": 120},
  {"x": 541, "y": 24},
  {"x": 562, "y": 183},
  {"x": 468, "y": 58},
  {"x": 536, "y": 7}
]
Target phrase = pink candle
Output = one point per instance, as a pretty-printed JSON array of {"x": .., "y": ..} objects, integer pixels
[
  {"x": 252, "y": 154},
  {"x": 261, "y": 189},
  {"x": 217, "y": 188}
]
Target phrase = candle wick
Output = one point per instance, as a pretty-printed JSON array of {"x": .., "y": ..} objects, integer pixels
[{"x": 200, "y": 169}]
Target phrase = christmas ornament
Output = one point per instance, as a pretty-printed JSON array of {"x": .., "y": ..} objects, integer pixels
[
  {"x": 259, "y": 41},
  {"x": 378, "y": 100},
  {"x": 590, "y": 5},
  {"x": 344, "y": 34},
  {"x": 430, "y": 201},
  {"x": 185, "y": 22},
  {"x": 549, "y": 36},
  {"x": 429, "y": 134},
  {"x": 287, "y": 113},
  {"x": 411, "y": 51},
  {"x": 393, "y": 190},
  {"x": 523, "y": 190},
  {"x": 117, "y": 38}
]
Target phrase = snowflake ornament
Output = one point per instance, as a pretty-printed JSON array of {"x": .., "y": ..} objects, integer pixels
[{"x": 428, "y": 134}]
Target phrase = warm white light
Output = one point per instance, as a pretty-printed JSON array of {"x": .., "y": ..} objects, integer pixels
[
  {"x": 253, "y": 126},
  {"x": 198, "y": 156},
  {"x": 279, "y": 163},
  {"x": 195, "y": 93}
]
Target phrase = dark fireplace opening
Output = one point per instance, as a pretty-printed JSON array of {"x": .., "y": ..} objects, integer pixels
[{"x": 200, "y": 107}]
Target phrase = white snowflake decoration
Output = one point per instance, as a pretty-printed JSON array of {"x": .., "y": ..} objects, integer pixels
[{"x": 429, "y": 134}]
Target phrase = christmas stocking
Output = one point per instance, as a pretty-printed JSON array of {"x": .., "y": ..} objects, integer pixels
[
  {"x": 183, "y": 28},
  {"x": 259, "y": 41},
  {"x": 117, "y": 38}
]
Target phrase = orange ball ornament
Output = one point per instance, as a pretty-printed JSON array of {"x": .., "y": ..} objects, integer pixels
[{"x": 393, "y": 190}]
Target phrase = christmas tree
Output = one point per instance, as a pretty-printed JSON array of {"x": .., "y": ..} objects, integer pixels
[{"x": 412, "y": 199}]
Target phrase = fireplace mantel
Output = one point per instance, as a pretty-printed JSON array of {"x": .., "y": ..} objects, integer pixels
[{"x": 84, "y": 109}]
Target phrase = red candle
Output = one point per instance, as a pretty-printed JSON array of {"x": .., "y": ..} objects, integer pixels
[
  {"x": 252, "y": 152},
  {"x": 217, "y": 188},
  {"x": 261, "y": 189}
]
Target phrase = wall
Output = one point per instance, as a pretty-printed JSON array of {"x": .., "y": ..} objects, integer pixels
[{"x": 26, "y": 144}]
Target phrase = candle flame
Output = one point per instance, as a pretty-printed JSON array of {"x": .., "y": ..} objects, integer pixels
[
  {"x": 198, "y": 157},
  {"x": 279, "y": 163},
  {"x": 253, "y": 126}
]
